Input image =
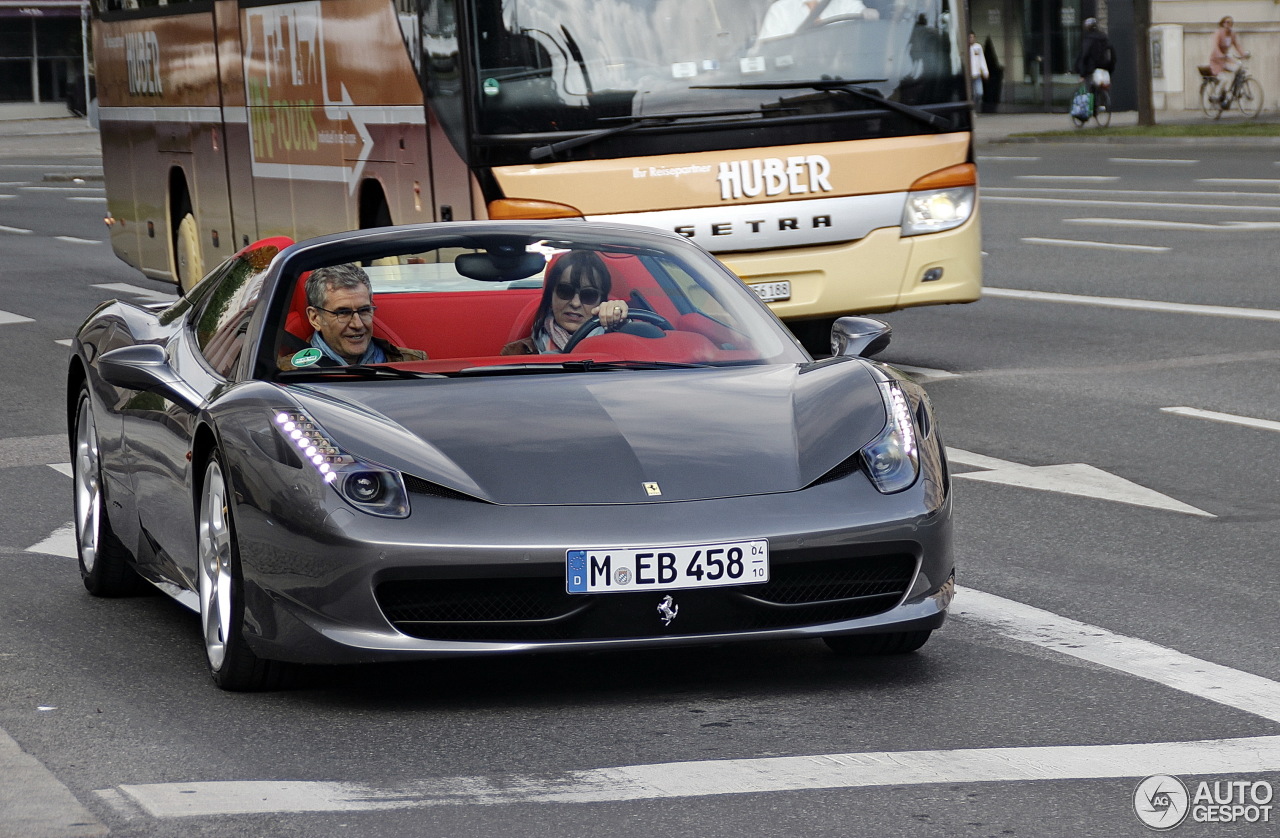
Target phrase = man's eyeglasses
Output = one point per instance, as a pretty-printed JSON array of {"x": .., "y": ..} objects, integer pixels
[
  {"x": 589, "y": 296},
  {"x": 364, "y": 312}
]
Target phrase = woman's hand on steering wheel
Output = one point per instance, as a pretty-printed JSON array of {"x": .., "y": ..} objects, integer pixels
[
  {"x": 611, "y": 313},
  {"x": 593, "y": 323}
]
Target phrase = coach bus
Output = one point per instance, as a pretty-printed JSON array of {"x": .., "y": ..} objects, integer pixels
[{"x": 824, "y": 155}]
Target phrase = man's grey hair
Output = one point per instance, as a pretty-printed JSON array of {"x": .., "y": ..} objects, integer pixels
[{"x": 335, "y": 278}]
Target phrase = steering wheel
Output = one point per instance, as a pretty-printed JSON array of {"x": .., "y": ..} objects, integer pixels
[{"x": 593, "y": 323}]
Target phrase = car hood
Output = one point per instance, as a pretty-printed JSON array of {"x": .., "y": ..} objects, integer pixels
[{"x": 608, "y": 437}]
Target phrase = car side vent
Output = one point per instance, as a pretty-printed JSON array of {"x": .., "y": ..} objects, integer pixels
[
  {"x": 848, "y": 466},
  {"x": 418, "y": 486}
]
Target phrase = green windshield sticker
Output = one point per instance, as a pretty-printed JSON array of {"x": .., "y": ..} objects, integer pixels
[
  {"x": 490, "y": 87},
  {"x": 307, "y": 357}
]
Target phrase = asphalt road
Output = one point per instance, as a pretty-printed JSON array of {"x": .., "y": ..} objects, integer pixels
[{"x": 1114, "y": 423}]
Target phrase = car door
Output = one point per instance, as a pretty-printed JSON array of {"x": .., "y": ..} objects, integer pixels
[{"x": 203, "y": 352}]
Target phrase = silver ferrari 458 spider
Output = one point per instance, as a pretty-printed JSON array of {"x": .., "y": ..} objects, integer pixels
[{"x": 483, "y": 438}]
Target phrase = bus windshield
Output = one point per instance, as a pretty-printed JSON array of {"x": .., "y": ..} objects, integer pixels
[{"x": 564, "y": 65}]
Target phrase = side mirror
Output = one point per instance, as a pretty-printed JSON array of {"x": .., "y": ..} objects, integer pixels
[
  {"x": 859, "y": 336},
  {"x": 146, "y": 367}
]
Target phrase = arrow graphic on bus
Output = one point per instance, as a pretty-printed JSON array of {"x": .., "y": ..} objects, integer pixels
[{"x": 297, "y": 129}]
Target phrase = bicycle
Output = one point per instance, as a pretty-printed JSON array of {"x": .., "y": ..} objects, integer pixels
[
  {"x": 1100, "y": 107},
  {"x": 1245, "y": 93}
]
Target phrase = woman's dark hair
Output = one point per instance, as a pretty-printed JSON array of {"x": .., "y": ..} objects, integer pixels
[{"x": 584, "y": 267}]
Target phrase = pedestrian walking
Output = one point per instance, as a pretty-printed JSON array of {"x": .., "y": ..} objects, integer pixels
[{"x": 978, "y": 71}]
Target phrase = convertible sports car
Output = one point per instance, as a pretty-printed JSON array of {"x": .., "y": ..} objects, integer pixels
[{"x": 683, "y": 474}]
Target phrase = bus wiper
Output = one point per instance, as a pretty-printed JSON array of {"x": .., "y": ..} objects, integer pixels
[
  {"x": 542, "y": 152},
  {"x": 355, "y": 371},
  {"x": 853, "y": 87}
]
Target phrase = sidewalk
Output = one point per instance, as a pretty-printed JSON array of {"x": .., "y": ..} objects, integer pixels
[{"x": 34, "y": 130}]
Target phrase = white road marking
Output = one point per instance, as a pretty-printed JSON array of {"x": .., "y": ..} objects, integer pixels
[
  {"x": 60, "y": 542},
  {"x": 77, "y": 188},
  {"x": 1018, "y": 621},
  {"x": 1137, "y": 248},
  {"x": 61, "y": 468},
  {"x": 925, "y": 373},
  {"x": 1071, "y": 178},
  {"x": 136, "y": 291},
  {"x": 1141, "y": 305},
  {"x": 1078, "y": 479},
  {"x": 65, "y": 342},
  {"x": 35, "y": 802},
  {"x": 87, "y": 198},
  {"x": 674, "y": 780},
  {"x": 1153, "y": 224},
  {"x": 8, "y": 317},
  {"x": 1085, "y": 202},
  {"x": 1130, "y": 193},
  {"x": 997, "y": 159},
  {"x": 1155, "y": 161},
  {"x": 19, "y": 230},
  {"x": 1160, "y": 664},
  {"x": 75, "y": 240},
  {"x": 1228, "y": 418},
  {"x": 1240, "y": 181}
]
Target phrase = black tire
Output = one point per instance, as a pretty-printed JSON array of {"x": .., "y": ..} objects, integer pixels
[
  {"x": 232, "y": 664},
  {"x": 895, "y": 643},
  {"x": 1208, "y": 90},
  {"x": 1102, "y": 108},
  {"x": 1249, "y": 98},
  {"x": 106, "y": 565}
]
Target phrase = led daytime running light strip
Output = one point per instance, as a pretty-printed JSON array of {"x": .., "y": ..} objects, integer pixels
[
  {"x": 902, "y": 419},
  {"x": 315, "y": 447}
]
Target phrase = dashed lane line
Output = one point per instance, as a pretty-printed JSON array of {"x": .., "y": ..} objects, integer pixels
[
  {"x": 1070, "y": 178},
  {"x": 77, "y": 240},
  {"x": 1098, "y": 202},
  {"x": 1155, "y": 224},
  {"x": 1134, "y": 248},
  {"x": 1138, "y": 304},
  {"x": 21, "y": 231},
  {"x": 8, "y": 317},
  {"x": 1227, "y": 418},
  {"x": 1153, "y": 161},
  {"x": 1024, "y": 623}
]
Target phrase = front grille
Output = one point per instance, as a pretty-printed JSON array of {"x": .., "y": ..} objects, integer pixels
[{"x": 801, "y": 593}]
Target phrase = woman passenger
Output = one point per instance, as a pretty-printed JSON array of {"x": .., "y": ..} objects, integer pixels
[{"x": 575, "y": 290}]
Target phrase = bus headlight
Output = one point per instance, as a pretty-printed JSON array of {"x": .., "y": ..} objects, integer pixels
[{"x": 937, "y": 210}]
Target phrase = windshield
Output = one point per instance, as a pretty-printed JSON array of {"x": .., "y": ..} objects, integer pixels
[
  {"x": 561, "y": 65},
  {"x": 495, "y": 302}
]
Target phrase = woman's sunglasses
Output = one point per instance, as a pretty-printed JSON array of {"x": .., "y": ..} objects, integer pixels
[{"x": 589, "y": 296}]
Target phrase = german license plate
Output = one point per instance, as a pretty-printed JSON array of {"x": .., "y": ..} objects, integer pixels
[
  {"x": 613, "y": 570},
  {"x": 772, "y": 291}
]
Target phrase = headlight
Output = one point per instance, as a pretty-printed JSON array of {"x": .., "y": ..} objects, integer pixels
[
  {"x": 892, "y": 460},
  {"x": 937, "y": 210},
  {"x": 366, "y": 486}
]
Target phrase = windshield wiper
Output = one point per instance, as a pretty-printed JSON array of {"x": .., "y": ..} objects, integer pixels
[
  {"x": 365, "y": 371},
  {"x": 542, "y": 152},
  {"x": 853, "y": 87}
]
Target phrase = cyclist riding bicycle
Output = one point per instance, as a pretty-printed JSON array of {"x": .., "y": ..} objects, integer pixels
[
  {"x": 1096, "y": 59},
  {"x": 1222, "y": 64}
]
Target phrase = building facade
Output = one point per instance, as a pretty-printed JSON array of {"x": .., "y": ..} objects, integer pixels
[{"x": 41, "y": 51}]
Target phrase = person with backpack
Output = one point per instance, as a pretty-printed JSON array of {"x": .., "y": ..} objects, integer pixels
[{"x": 1097, "y": 58}]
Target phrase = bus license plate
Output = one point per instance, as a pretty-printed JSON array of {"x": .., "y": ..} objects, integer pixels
[
  {"x": 613, "y": 570},
  {"x": 772, "y": 291}
]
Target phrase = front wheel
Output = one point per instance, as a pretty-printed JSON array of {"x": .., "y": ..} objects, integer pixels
[
  {"x": 104, "y": 560},
  {"x": 893, "y": 643},
  {"x": 1208, "y": 100},
  {"x": 1250, "y": 98},
  {"x": 1102, "y": 107},
  {"x": 232, "y": 663}
]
